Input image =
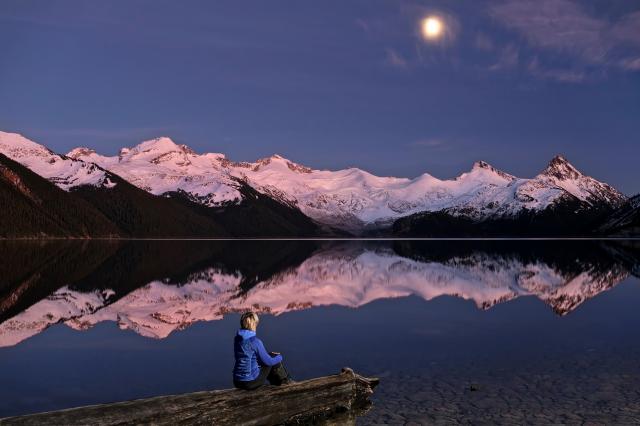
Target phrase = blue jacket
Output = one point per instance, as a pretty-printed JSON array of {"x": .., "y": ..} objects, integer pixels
[{"x": 249, "y": 351}]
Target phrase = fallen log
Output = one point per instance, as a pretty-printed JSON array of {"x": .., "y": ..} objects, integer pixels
[{"x": 342, "y": 395}]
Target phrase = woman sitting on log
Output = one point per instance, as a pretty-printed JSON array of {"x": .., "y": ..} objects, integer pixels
[{"x": 253, "y": 364}]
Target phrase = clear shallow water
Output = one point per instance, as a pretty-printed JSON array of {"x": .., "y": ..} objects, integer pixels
[{"x": 543, "y": 331}]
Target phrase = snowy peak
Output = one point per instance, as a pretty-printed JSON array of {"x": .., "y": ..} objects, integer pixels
[
  {"x": 484, "y": 166},
  {"x": 161, "y": 144},
  {"x": 349, "y": 199},
  {"x": 563, "y": 174},
  {"x": 14, "y": 145},
  {"x": 277, "y": 160},
  {"x": 162, "y": 167},
  {"x": 155, "y": 150},
  {"x": 481, "y": 165},
  {"x": 61, "y": 170},
  {"x": 560, "y": 168},
  {"x": 80, "y": 153}
]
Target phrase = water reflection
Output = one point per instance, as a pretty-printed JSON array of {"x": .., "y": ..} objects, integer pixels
[{"x": 156, "y": 288}]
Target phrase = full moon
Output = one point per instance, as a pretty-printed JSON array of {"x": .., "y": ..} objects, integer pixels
[{"x": 432, "y": 27}]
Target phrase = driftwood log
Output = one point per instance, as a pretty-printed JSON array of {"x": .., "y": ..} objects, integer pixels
[{"x": 341, "y": 396}]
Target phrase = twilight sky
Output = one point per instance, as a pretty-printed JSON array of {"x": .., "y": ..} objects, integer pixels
[{"x": 335, "y": 83}]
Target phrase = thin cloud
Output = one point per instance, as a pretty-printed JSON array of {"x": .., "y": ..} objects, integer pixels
[
  {"x": 395, "y": 59},
  {"x": 628, "y": 29},
  {"x": 630, "y": 64},
  {"x": 564, "y": 27},
  {"x": 509, "y": 57},
  {"x": 557, "y": 74},
  {"x": 559, "y": 25},
  {"x": 363, "y": 25},
  {"x": 483, "y": 42}
]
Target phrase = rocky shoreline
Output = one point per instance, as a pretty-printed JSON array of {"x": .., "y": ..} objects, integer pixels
[{"x": 589, "y": 390}]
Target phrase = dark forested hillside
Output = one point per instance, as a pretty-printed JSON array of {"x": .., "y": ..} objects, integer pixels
[
  {"x": 140, "y": 214},
  {"x": 258, "y": 215},
  {"x": 625, "y": 221},
  {"x": 568, "y": 218},
  {"x": 33, "y": 207}
]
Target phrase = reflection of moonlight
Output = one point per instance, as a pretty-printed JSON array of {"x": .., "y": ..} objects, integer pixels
[{"x": 432, "y": 27}]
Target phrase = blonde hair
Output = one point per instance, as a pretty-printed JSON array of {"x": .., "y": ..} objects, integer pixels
[{"x": 249, "y": 320}]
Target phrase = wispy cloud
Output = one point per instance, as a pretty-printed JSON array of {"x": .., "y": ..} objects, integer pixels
[
  {"x": 405, "y": 28},
  {"x": 557, "y": 74},
  {"x": 627, "y": 29},
  {"x": 555, "y": 24},
  {"x": 630, "y": 64},
  {"x": 564, "y": 27},
  {"x": 396, "y": 59},
  {"x": 509, "y": 56},
  {"x": 363, "y": 24},
  {"x": 484, "y": 42}
]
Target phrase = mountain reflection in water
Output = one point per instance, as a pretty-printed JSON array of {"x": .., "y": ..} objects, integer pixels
[{"x": 157, "y": 287}]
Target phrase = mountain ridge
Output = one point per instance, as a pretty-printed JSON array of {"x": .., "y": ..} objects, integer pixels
[
  {"x": 353, "y": 196},
  {"x": 349, "y": 200},
  {"x": 131, "y": 211},
  {"x": 355, "y": 200}
]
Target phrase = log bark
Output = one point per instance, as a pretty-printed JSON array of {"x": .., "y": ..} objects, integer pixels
[{"x": 340, "y": 397}]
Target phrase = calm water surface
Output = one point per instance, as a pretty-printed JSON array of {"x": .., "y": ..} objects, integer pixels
[{"x": 459, "y": 331}]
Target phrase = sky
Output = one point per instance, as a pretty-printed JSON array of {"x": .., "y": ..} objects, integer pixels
[{"x": 334, "y": 84}]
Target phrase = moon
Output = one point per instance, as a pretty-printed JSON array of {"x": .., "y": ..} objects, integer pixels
[{"x": 432, "y": 27}]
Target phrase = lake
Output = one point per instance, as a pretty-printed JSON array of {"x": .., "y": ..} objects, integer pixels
[{"x": 459, "y": 331}]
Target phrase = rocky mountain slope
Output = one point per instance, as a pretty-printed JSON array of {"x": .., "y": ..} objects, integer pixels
[
  {"x": 275, "y": 196},
  {"x": 560, "y": 201},
  {"x": 352, "y": 199},
  {"x": 625, "y": 221},
  {"x": 137, "y": 212},
  {"x": 33, "y": 207},
  {"x": 61, "y": 170}
]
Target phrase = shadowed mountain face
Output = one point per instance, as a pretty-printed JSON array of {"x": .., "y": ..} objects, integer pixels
[
  {"x": 155, "y": 288},
  {"x": 162, "y": 189},
  {"x": 34, "y": 207},
  {"x": 625, "y": 221}
]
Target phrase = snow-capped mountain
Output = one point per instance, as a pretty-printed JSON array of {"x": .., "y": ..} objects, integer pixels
[
  {"x": 346, "y": 275},
  {"x": 161, "y": 166},
  {"x": 65, "y": 172},
  {"x": 352, "y": 198},
  {"x": 98, "y": 195}
]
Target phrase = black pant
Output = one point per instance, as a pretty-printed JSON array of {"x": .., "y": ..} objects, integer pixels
[{"x": 276, "y": 375}]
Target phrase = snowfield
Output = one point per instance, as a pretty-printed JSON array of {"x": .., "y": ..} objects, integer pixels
[
  {"x": 65, "y": 172},
  {"x": 351, "y": 199}
]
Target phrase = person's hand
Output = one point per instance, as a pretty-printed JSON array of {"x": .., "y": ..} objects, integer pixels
[{"x": 275, "y": 353}]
